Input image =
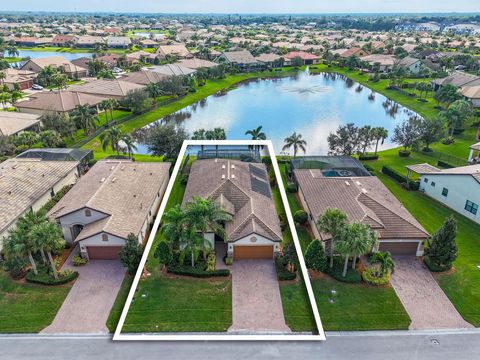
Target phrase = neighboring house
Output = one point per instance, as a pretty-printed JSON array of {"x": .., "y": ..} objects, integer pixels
[
  {"x": 242, "y": 59},
  {"x": 27, "y": 184},
  {"x": 13, "y": 123},
  {"x": 471, "y": 93},
  {"x": 458, "y": 79},
  {"x": 31, "y": 41},
  {"x": 119, "y": 42},
  {"x": 381, "y": 62},
  {"x": 111, "y": 201},
  {"x": 88, "y": 41},
  {"x": 83, "y": 62},
  {"x": 458, "y": 188},
  {"x": 346, "y": 53},
  {"x": 111, "y": 88},
  {"x": 362, "y": 198},
  {"x": 24, "y": 79},
  {"x": 307, "y": 58},
  {"x": 172, "y": 70},
  {"x": 81, "y": 156},
  {"x": 270, "y": 60},
  {"x": 195, "y": 63},
  {"x": 58, "y": 101},
  {"x": 179, "y": 51},
  {"x": 63, "y": 40},
  {"x": 410, "y": 64},
  {"x": 242, "y": 189},
  {"x": 144, "y": 77},
  {"x": 57, "y": 62},
  {"x": 474, "y": 155}
]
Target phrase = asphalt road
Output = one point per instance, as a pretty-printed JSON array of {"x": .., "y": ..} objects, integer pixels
[{"x": 378, "y": 345}]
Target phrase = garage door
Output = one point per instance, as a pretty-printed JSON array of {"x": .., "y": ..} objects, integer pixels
[
  {"x": 103, "y": 252},
  {"x": 399, "y": 248},
  {"x": 253, "y": 252}
]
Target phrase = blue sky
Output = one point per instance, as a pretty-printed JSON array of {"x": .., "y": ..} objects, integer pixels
[{"x": 245, "y": 6}]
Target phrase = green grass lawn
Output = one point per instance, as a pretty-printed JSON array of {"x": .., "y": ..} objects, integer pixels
[
  {"x": 119, "y": 304},
  {"x": 28, "y": 308},
  {"x": 462, "y": 285},
  {"x": 297, "y": 308}
]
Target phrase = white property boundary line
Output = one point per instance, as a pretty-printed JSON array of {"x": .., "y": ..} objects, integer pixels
[{"x": 226, "y": 337}]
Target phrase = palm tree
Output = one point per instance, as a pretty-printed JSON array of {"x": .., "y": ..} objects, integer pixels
[
  {"x": 85, "y": 117},
  {"x": 379, "y": 133},
  {"x": 296, "y": 141},
  {"x": 384, "y": 260},
  {"x": 112, "y": 137},
  {"x": 112, "y": 105},
  {"x": 17, "y": 245},
  {"x": 12, "y": 51},
  {"x": 14, "y": 96},
  {"x": 104, "y": 106},
  {"x": 3, "y": 76},
  {"x": 256, "y": 134},
  {"x": 362, "y": 242},
  {"x": 331, "y": 222},
  {"x": 173, "y": 225},
  {"x": 26, "y": 138},
  {"x": 129, "y": 144},
  {"x": 49, "y": 237},
  {"x": 199, "y": 134}
]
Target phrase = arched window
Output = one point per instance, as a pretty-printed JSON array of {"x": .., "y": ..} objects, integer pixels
[{"x": 104, "y": 237}]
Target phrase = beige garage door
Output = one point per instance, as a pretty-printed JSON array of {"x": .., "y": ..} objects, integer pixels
[
  {"x": 253, "y": 252},
  {"x": 399, "y": 248},
  {"x": 103, "y": 252}
]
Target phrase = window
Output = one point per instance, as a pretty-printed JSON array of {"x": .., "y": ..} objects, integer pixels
[
  {"x": 104, "y": 237},
  {"x": 445, "y": 192},
  {"x": 88, "y": 213},
  {"x": 471, "y": 207},
  {"x": 433, "y": 184},
  {"x": 425, "y": 180}
]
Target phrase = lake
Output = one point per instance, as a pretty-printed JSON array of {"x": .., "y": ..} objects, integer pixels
[
  {"x": 312, "y": 105},
  {"x": 42, "y": 54}
]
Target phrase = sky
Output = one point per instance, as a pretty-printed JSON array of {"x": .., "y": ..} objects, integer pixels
[{"x": 245, "y": 6}]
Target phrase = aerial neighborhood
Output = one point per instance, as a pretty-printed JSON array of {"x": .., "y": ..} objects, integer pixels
[{"x": 375, "y": 123}]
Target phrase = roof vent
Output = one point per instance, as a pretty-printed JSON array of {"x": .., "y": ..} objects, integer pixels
[
  {"x": 364, "y": 191},
  {"x": 347, "y": 183},
  {"x": 223, "y": 166},
  {"x": 111, "y": 169},
  {"x": 122, "y": 168},
  {"x": 358, "y": 183},
  {"x": 223, "y": 176},
  {"x": 102, "y": 180},
  {"x": 233, "y": 176},
  {"x": 233, "y": 166},
  {"x": 114, "y": 179}
]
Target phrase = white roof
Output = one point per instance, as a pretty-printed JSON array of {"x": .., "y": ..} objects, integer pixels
[{"x": 12, "y": 122}]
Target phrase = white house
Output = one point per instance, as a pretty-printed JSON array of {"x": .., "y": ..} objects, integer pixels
[
  {"x": 113, "y": 200},
  {"x": 457, "y": 188}
]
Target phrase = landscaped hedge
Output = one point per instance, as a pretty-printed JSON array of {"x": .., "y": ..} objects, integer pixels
[
  {"x": 370, "y": 169},
  {"x": 353, "y": 276},
  {"x": 292, "y": 187},
  {"x": 196, "y": 272},
  {"x": 434, "y": 267},
  {"x": 282, "y": 272},
  {"x": 369, "y": 277},
  {"x": 45, "y": 278},
  {"x": 413, "y": 184},
  {"x": 444, "y": 164},
  {"x": 56, "y": 198},
  {"x": 368, "y": 157}
]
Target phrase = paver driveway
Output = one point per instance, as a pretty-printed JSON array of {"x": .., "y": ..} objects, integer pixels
[
  {"x": 88, "y": 304},
  {"x": 256, "y": 302},
  {"x": 423, "y": 299}
]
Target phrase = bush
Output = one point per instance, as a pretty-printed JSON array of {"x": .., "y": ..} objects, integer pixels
[
  {"x": 433, "y": 267},
  {"x": 77, "y": 260},
  {"x": 300, "y": 217},
  {"x": 197, "y": 271},
  {"x": 56, "y": 198},
  {"x": 282, "y": 272},
  {"x": 292, "y": 187},
  {"x": 448, "y": 140},
  {"x": 211, "y": 261},
  {"x": 444, "y": 164},
  {"x": 45, "y": 278},
  {"x": 283, "y": 221},
  {"x": 229, "y": 260},
  {"x": 315, "y": 256},
  {"x": 370, "y": 169},
  {"x": 366, "y": 157},
  {"x": 413, "y": 184},
  {"x": 369, "y": 276},
  {"x": 404, "y": 153},
  {"x": 16, "y": 267},
  {"x": 336, "y": 272},
  {"x": 163, "y": 253}
]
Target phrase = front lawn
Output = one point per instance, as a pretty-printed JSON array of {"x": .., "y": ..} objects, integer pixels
[
  {"x": 28, "y": 308},
  {"x": 119, "y": 304},
  {"x": 180, "y": 305},
  {"x": 297, "y": 308},
  {"x": 462, "y": 285}
]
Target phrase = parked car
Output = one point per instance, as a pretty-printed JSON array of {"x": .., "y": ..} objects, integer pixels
[
  {"x": 117, "y": 70},
  {"x": 37, "y": 87}
]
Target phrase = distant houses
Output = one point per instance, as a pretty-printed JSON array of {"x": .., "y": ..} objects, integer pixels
[{"x": 242, "y": 59}]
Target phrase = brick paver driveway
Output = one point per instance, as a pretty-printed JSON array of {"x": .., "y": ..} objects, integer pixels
[
  {"x": 423, "y": 299},
  {"x": 88, "y": 304},
  {"x": 256, "y": 301}
]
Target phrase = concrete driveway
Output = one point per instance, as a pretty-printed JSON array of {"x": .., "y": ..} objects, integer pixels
[
  {"x": 88, "y": 304},
  {"x": 256, "y": 302},
  {"x": 423, "y": 299}
]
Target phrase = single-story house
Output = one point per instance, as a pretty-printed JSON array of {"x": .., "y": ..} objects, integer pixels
[
  {"x": 361, "y": 198},
  {"x": 63, "y": 40},
  {"x": 24, "y": 79},
  {"x": 195, "y": 63},
  {"x": 412, "y": 65},
  {"x": 81, "y": 156},
  {"x": 242, "y": 59},
  {"x": 12, "y": 123},
  {"x": 179, "y": 51},
  {"x": 346, "y": 53},
  {"x": 270, "y": 60},
  {"x": 28, "y": 184},
  {"x": 57, "y": 62},
  {"x": 144, "y": 77},
  {"x": 120, "y": 42},
  {"x": 59, "y": 101},
  {"x": 383, "y": 62},
  {"x": 458, "y": 79},
  {"x": 88, "y": 41},
  {"x": 111, "y": 88},
  {"x": 172, "y": 70},
  {"x": 458, "y": 188},
  {"x": 471, "y": 93},
  {"x": 243, "y": 190},
  {"x": 111, "y": 201},
  {"x": 307, "y": 58}
]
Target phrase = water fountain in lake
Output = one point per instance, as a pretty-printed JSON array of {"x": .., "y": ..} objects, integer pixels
[{"x": 304, "y": 85}]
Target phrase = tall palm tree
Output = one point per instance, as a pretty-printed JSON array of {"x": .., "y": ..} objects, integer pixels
[
  {"x": 331, "y": 222},
  {"x": 112, "y": 105},
  {"x": 200, "y": 134},
  {"x": 362, "y": 240},
  {"x": 129, "y": 142},
  {"x": 3, "y": 76},
  {"x": 49, "y": 236},
  {"x": 85, "y": 117},
  {"x": 17, "y": 245},
  {"x": 104, "y": 106},
  {"x": 296, "y": 141},
  {"x": 12, "y": 51},
  {"x": 112, "y": 137},
  {"x": 379, "y": 134},
  {"x": 256, "y": 134},
  {"x": 173, "y": 225}
]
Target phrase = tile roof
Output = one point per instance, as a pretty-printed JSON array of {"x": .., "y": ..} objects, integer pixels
[
  {"x": 239, "y": 57},
  {"x": 172, "y": 70},
  {"x": 469, "y": 170},
  {"x": 106, "y": 87},
  {"x": 143, "y": 77},
  {"x": 13, "y": 122},
  {"x": 62, "y": 101},
  {"x": 25, "y": 181},
  {"x": 124, "y": 190},
  {"x": 229, "y": 182},
  {"x": 363, "y": 199}
]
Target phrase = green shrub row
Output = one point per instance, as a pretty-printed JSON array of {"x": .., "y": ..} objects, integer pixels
[
  {"x": 336, "y": 272},
  {"x": 56, "y": 198},
  {"x": 196, "y": 272},
  {"x": 282, "y": 272},
  {"x": 292, "y": 187},
  {"x": 370, "y": 169},
  {"x": 444, "y": 164},
  {"x": 434, "y": 267},
  {"x": 45, "y": 278},
  {"x": 413, "y": 184},
  {"x": 368, "y": 157},
  {"x": 369, "y": 277}
]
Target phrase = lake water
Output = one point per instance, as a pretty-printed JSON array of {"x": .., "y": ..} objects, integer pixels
[
  {"x": 42, "y": 54},
  {"x": 312, "y": 105}
]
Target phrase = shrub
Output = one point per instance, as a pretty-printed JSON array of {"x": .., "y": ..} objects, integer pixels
[
  {"x": 433, "y": 267},
  {"x": 404, "y": 153},
  {"x": 211, "y": 261},
  {"x": 131, "y": 254},
  {"x": 282, "y": 271},
  {"x": 370, "y": 276},
  {"x": 45, "y": 278},
  {"x": 300, "y": 217},
  {"x": 448, "y": 140},
  {"x": 315, "y": 256},
  {"x": 163, "y": 253},
  {"x": 442, "y": 250},
  {"x": 229, "y": 260},
  {"x": 413, "y": 184},
  {"x": 56, "y": 198},
  {"x": 370, "y": 169},
  {"x": 444, "y": 164},
  {"x": 292, "y": 187},
  {"x": 366, "y": 157},
  {"x": 288, "y": 170},
  {"x": 184, "y": 179},
  {"x": 197, "y": 271},
  {"x": 336, "y": 272},
  {"x": 77, "y": 260},
  {"x": 283, "y": 221},
  {"x": 16, "y": 267}
]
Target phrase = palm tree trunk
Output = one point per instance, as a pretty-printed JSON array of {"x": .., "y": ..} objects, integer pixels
[
  {"x": 106, "y": 118},
  {"x": 52, "y": 263},
  {"x": 345, "y": 266},
  {"x": 44, "y": 258},
  {"x": 111, "y": 114},
  {"x": 376, "y": 146},
  {"x": 32, "y": 261},
  {"x": 331, "y": 253},
  {"x": 354, "y": 262},
  {"x": 193, "y": 260}
]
